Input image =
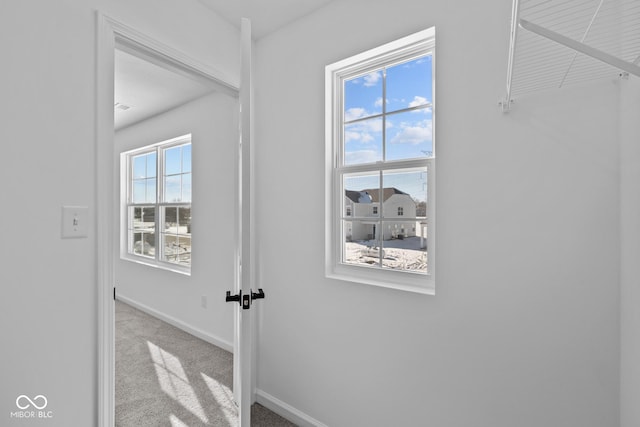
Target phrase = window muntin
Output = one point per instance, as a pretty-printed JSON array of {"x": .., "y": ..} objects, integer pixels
[
  {"x": 158, "y": 204},
  {"x": 380, "y": 163}
]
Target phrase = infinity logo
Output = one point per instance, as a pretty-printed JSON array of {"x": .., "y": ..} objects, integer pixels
[{"x": 22, "y": 397}]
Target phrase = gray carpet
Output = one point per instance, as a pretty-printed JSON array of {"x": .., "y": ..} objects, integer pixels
[{"x": 167, "y": 377}]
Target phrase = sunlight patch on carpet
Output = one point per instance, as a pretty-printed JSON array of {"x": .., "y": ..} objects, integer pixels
[
  {"x": 177, "y": 422},
  {"x": 224, "y": 396},
  {"x": 174, "y": 382}
]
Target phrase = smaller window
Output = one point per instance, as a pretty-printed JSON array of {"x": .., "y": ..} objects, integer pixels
[
  {"x": 375, "y": 210},
  {"x": 156, "y": 198},
  {"x": 400, "y": 211},
  {"x": 348, "y": 210}
]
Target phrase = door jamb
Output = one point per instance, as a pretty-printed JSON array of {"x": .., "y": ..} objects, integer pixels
[{"x": 110, "y": 33}]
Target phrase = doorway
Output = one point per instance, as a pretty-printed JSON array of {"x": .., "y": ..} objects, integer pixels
[
  {"x": 175, "y": 137},
  {"x": 113, "y": 36},
  {"x": 116, "y": 39}
]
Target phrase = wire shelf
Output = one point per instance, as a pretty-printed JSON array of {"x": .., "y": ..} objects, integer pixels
[{"x": 538, "y": 63}]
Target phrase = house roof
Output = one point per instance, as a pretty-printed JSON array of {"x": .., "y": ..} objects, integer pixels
[
  {"x": 358, "y": 196},
  {"x": 372, "y": 194}
]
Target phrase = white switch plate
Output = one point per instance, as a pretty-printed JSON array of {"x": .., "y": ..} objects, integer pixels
[{"x": 75, "y": 221}]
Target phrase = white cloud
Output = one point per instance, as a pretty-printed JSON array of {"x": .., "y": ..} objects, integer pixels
[
  {"x": 378, "y": 102},
  {"x": 372, "y": 125},
  {"x": 354, "y": 113},
  {"x": 366, "y": 137},
  {"x": 413, "y": 134},
  {"x": 362, "y": 156},
  {"x": 351, "y": 136},
  {"x": 372, "y": 79},
  {"x": 362, "y": 137},
  {"x": 418, "y": 100}
]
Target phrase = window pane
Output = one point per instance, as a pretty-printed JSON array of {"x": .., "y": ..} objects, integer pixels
[
  {"x": 361, "y": 242},
  {"x": 144, "y": 166},
  {"x": 140, "y": 167},
  {"x": 186, "y": 187},
  {"x": 405, "y": 193},
  {"x": 144, "y": 219},
  {"x": 186, "y": 158},
  {"x": 151, "y": 165},
  {"x": 144, "y": 191},
  {"x": 177, "y": 249},
  {"x": 144, "y": 244},
  {"x": 172, "y": 160},
  {"x": 409, "y": 84},
  {"x": 184, "y": 257},
  {"x": 362, "y": 195},
  {"x": 184, "y": 221},
  {"x": 405, "y": 245},
  {"x": 177, "y": 220},
  {"x": 143, "y": 231},
  {"x": 170, "y": 219},
  {"x": 363, "y": 142},
  {"x": 139, "y": 189},
  {"x": 409, "y": 135},
  {"x": 363, "y": 96},
  {"x": 151, "y": 190},
  {"x": 176, "y": 235},
  {"x": 137, "y": 243},
  {"x": 172, "y": 189}
]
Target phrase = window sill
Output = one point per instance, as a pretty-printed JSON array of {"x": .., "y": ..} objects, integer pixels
[
  {"x": 159, "y": 265},
  {"x": 399, "y": 280}
]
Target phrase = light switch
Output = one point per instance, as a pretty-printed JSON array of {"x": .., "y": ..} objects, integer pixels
[{"x": 75, "y": 221}]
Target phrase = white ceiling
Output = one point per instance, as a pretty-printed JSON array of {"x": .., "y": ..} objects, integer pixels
[
  {"x": 266, "y": 15},
  {"x": 149, "y": 89}
]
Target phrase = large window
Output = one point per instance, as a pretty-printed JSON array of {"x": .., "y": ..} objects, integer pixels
[
  {"x": 380, "y": 165},
  {"x": 157, "y": 210}
]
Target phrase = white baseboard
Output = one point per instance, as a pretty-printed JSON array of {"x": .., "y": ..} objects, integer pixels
[
  {"x": 205, "y": 336},
  {"x": 284, "y": 410}
]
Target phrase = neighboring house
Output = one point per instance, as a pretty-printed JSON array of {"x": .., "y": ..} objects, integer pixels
[{"x": 365, "y": 208}]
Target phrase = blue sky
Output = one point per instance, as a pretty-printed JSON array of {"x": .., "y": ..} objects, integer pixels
[{"x": 407, "y": 134}]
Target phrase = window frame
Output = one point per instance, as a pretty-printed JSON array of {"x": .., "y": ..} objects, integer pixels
[
  {"x": 404, "y": 49},
  {"x": 127, "y": 179}
]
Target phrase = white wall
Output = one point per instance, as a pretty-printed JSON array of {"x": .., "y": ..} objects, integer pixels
[
  {"x": 526, "y": 334},
  {"x": 213, "y": 124},
  {"x": 48, "y": 308},
  {"x": 524, "y": 327},
  {"x": 630, "y": 252}
]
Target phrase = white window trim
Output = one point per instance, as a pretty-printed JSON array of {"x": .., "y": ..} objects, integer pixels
[
  {"x": 125, "y": 192},
  {"x": 419, "y": 43}
]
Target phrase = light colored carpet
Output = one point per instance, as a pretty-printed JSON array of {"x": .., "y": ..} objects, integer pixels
[{"x": 167, "y": 377}]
